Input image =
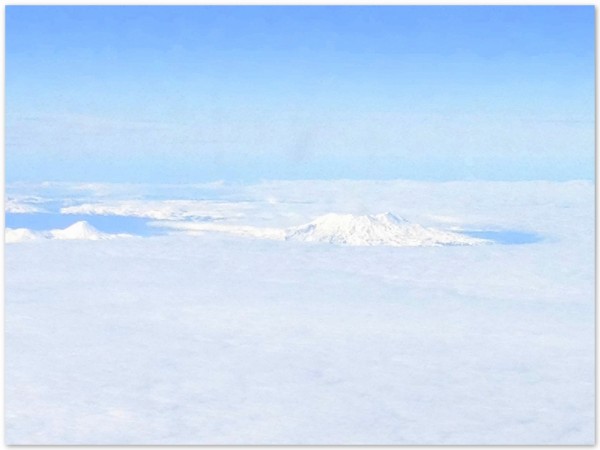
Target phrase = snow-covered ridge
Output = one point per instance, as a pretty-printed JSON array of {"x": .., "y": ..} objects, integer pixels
[
  {"x": 341, "y": 229},
  {"x": 78, "y": 231}
]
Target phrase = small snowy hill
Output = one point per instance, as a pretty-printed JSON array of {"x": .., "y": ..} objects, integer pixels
[
  {"x": 380, "y": 229},
  {"x": 12, "y": 235}
]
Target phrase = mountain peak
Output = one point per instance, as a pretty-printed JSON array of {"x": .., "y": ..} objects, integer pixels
[{"x": 82, "y": 225}]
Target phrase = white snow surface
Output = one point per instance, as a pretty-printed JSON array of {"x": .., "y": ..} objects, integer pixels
[
  {"x": 81, "y": 230},
  {"x": 220, "y": 339}
]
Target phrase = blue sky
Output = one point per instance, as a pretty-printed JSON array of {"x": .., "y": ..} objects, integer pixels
[{"x": 192, "y": 94}]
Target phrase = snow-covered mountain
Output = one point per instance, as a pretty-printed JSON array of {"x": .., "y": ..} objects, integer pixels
[
  {"x": 84, "y": 231},
  {"x": 79, "y": 230},
  {"x": 380, "y": 229}
]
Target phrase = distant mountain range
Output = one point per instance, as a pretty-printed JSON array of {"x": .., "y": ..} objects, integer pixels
[
  {"x": 81, "y": 230},
  {"x": 340, "y": 229}
]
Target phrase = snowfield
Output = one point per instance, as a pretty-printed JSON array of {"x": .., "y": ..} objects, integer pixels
[{"x": 219, "y": 338}]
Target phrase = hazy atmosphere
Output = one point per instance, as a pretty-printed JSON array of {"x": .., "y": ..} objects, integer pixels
[
  {"x": 300, "y": 225},
  {"x": 172, "y": 94}
]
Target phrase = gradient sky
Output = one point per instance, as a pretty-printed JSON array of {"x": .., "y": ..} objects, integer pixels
[{"x": 193, "y": 94}]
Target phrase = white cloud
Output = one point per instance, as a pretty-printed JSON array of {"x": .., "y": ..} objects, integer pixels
[
  {"x": 22, "y": 206},
  {"x": 217, "y": 339},
  {"x": 196, "y": 228}
]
